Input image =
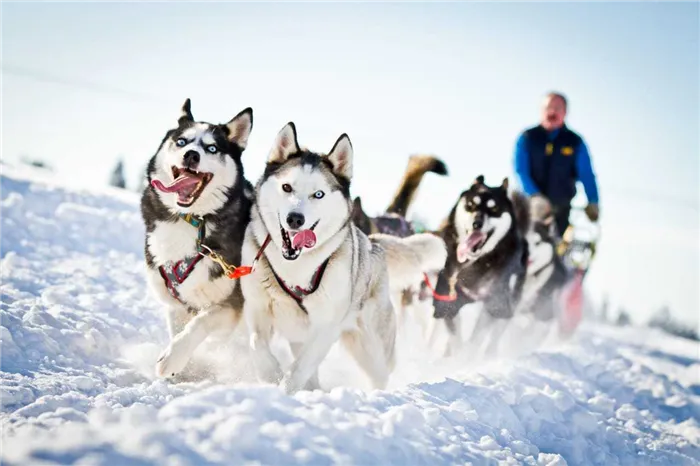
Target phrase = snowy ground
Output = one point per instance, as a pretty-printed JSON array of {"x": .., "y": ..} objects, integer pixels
[{"x": 80, "y": 335}]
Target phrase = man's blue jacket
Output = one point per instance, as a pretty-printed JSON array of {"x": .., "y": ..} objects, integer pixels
[{"x": 550, "y": 163}]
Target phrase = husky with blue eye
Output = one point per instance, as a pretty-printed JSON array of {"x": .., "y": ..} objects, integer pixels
[
  {"x": 197, "y": 200},
  {"x": 319, "y": 278}
]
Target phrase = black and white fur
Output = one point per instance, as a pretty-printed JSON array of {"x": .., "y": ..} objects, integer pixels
[
  {"x": 210, "y": 300},
  {"x": 302, "y": 191},
  {"x": 491, "y": 270},
  {"x": 546, "y": 274}
]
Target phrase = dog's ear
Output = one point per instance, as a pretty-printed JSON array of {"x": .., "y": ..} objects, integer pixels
[
  {"x": 360, "y": 218},
  {"x": 239, "y": 127},
  {"x": 478, "y": 181},
  {"x": 285, "y": 144},
  {"x": 357, "y": 203},
  {"x": 185, "y": 113},
  {"x": 504, "y": 185},
  {"x": 341, "y": 157}
]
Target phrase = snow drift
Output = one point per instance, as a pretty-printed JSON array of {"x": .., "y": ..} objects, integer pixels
[{"x": 80, "y": 335}]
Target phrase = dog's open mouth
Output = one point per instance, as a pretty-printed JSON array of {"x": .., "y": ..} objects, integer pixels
[
  {"x": 470, "y": 248},
  {"x": 188, "y": 185},
  {"x": 293, "y": 242}
]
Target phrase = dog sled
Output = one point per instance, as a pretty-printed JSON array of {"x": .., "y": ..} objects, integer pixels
[{"x": 576, "y": 249}]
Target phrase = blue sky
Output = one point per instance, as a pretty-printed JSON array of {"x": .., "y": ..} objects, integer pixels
[{"x": 458, "y": 80}]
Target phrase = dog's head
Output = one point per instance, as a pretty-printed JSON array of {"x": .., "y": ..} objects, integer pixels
[
  {"x": 482, "y": 218},
  {"x": 197, "y": 163},
  {"x": 303, "y": 196}
]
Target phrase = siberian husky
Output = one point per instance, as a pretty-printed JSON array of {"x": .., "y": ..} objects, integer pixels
[
  {"x": 319, "y": 279},
  {"x": 394, "y": 222},
  {"x": 487, "y": 256},
  {"x": 196, "y": 208}
]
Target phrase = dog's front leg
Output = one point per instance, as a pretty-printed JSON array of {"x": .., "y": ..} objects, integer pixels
[
  {"x": 176, "y": 317},
  {"x": 267, "y": 368},
  {"x": 259, "y": 319},
  {"x": 310, "y": 356},
  {"x": 183, "y": 345}
]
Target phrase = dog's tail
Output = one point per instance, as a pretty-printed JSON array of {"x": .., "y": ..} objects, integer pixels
[
  {"x": 521, "y": 207},
  {"x": 418, "y": 165},
  {"x": 407, "y": 259}
]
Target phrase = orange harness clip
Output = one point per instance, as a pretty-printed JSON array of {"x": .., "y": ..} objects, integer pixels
[{"x": 232, "y": 272}]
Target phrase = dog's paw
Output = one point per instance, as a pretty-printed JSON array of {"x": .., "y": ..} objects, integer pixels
[
  {"x": 173, "y": 359},
  {"x": 312, "y": 384},
  {"x": 288, "y": 386}
]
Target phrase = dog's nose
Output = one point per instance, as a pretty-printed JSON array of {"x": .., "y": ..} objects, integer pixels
[
  {"x": 295, "y": 220},
  {"x": 478, "y": 223},
  {"x": 191, "y": 159}
]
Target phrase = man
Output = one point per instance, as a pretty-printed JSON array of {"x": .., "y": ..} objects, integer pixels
[{"x": 549, "y": 159}]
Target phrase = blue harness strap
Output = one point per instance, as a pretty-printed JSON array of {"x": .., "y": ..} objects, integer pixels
[{"x": 175, "y": 273}]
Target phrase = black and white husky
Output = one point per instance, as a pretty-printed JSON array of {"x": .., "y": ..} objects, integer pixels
[
  {"x": 319, "y": 278},
  {"x": 546, "y": 274},
  {"x": 487, "y": 256},
  {"x": 197, "y": 201}
]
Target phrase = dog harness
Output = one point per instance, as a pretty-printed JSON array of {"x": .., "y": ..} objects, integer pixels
[
  {"x": 298, "y": 293},
  {"x": 175, "y": 273},
  {"x": 395, "y": 225}
]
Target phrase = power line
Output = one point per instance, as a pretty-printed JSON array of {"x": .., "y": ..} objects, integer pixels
[{"x": 41, "y": 76}]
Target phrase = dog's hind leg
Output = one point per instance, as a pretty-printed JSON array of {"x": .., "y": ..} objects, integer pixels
[
  {"x": 366, "y": 347},
  {"x": 181, "y": 348}
]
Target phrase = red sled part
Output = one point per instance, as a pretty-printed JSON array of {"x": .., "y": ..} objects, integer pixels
[{"x": 572, "y": 305}]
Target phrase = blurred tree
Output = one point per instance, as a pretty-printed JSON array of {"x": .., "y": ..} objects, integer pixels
[{"x": 117, "y": 177}]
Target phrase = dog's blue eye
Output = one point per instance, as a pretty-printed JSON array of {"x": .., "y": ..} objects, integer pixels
[
  {"x": 181, "y": 142},
  {"x": 212, "y": 149},
  {"x": 319, "y": 194},
  {"x": 287, "y": 188}
]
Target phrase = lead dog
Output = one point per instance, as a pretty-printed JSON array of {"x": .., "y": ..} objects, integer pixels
[
  {"x": 197, "y": 200},
  {"x": 319, "y": 279}
]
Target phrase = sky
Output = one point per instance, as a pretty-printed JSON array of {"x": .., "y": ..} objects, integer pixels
[{"x": 86, "y": 83}]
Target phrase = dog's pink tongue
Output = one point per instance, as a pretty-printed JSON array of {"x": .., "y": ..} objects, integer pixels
[
  {"x": 304, "y": 239},
  {"x": 475, "y": 238},
  {"x": 465, "y": 247},
  {"x": 177, "y": 185}
]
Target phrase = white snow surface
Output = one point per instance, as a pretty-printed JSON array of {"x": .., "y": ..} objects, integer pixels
[{"x": 81, "y": 333}]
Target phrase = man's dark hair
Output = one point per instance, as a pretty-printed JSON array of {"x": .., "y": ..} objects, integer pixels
[{"x": 561, "y": 96}]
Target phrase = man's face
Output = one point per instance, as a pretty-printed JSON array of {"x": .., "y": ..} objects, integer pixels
[{"x": 553, "y": 113}]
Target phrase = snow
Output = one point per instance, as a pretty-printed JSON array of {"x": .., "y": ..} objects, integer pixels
[{"x": 80, "y": 335}]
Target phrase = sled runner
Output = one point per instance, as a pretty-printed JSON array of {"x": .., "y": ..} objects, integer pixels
[{"x": 577, "y": 249}]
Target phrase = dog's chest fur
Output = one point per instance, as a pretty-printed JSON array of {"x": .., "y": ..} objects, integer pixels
[
  {"x": 170, "y": 242},
  {"x": 332, "y": 298}
]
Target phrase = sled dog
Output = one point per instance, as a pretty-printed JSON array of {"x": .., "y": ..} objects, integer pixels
[
  {"x": 546, "y": 274},
  {"x": 196, "y": 208},
  {"x": 394, "y": 222},
  {"x": 319, "y": 279},
  {"x": 487, "y": 256}
]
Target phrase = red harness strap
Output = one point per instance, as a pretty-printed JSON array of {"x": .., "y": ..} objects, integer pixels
[
  {"x": 298, "y": 293},
  {"x": 439, "y": 297}
]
